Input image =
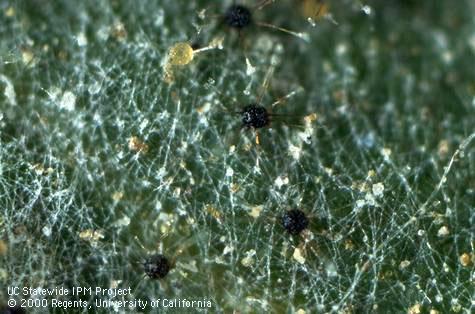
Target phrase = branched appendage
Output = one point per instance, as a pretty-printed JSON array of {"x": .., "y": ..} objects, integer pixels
[
  {"x": 263, "y": 4},
  {"x": 302, "y": 35},
  {"x": 239, "y": 17}
]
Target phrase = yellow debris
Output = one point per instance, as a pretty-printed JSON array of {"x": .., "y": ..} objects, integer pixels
[
  {"x": 117, "y": 196},
  {"x": 443, "y": 148},
  {"x": 118, "y": 31},
  {"x": 27, "y": 56},
  {"x": 404, "y": 264},
  {"x": 310, "y": 118},
  {"x": 217, "y": 42},
  {"x": 9, "y": 12},
  {"x": 255, "y": 211},
  {"x": 349, "y": 245},
  {"x": 298, "y": 256},
  {"x": 465, "y": 259},
  {"x": 234, "y": 188},
  {"x": 136, "y": 145},
  {"x": 3, "y": 248},
  {"x": 248, "y": 261},
  {"x": 92, "y": 236},
  {"x": 415, "y": 309},
  {"x": 213, "y": 211},
  {"x": 204, "y": 108}
]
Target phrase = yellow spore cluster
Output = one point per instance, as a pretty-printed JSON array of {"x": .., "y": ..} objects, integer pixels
[{"x": 180, "y": 54}]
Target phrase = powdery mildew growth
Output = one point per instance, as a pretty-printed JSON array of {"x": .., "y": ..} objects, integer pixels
[{"x": 98, "y": 148}]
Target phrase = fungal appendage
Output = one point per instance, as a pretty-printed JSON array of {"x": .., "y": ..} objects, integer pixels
[{"x": 314, "y": 9}]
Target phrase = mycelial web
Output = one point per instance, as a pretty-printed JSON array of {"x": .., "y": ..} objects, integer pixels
[{"x": 96, "y": 150}]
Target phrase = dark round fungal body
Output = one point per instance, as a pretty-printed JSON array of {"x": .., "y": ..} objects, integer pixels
[
  {"x": 294, "y": 221},
  {"x": 156, "y": 266},
  {"x": 255, "y": 116},
  {"x": 238, "y": 16}
]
